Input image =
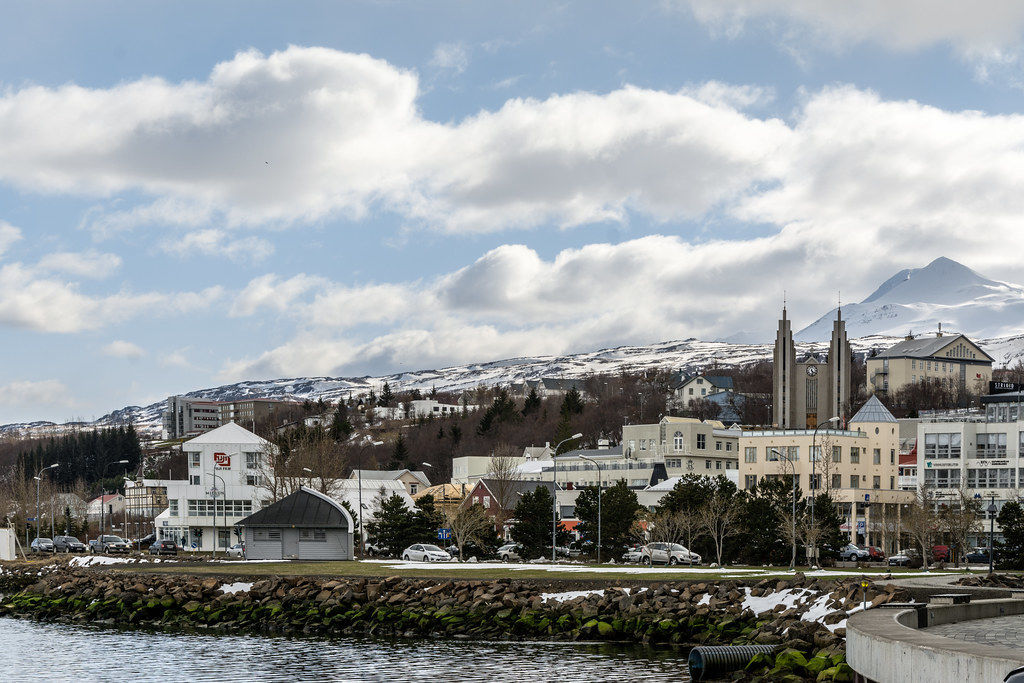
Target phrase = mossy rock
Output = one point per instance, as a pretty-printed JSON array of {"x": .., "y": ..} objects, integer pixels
[
  {"x": 605, "y": 630},
  {"x": 790, "y": 659},
  {"x": 191, "y": 606},
  {"x": 759, "y": 661},
  {"x": 818, "y": 664}
]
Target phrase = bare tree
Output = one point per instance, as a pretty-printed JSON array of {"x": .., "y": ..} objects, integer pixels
[
  {"x": 501, "y": 475},
  {"x": 919, "y": 521},
  {"x": 960, "y": 518},
  {"x": 720, "y": 518},
  {"x": 467, "y": 522}
]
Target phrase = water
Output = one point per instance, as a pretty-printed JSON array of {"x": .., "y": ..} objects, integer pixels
[{"x": 34, "y": 651}]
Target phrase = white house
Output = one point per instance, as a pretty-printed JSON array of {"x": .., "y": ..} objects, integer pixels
[
  {"x": 109, "y": 506},
  {"x": 223, "y": 486}
]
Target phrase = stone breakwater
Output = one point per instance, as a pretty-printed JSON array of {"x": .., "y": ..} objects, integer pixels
[{"x": 804, "y": 617}]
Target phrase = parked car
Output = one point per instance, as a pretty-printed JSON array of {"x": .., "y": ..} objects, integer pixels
[
  {"x": 634, "y": 554},
  {"x": 68, "y": 544},
  {"x": 854, "y": 553},
  {"x": 940, "y": 553},
  {"x": 108, "y": 544},
  {"x": 374, "y": 549},
  {"x": 904, "y": 558},
  {"x": 668, "y": 553},
  {"x": 144, "y": 542},
  {"x": 510, "y": 552},
  {"x": 164, "y": 546},
  {"x": 425, "y": 552},
  {"x": 875, "y": 553},
  {"x": 237, "y": 550},
  {"x": 41, "y": 545},
  {"x": 978, "y": 556}
]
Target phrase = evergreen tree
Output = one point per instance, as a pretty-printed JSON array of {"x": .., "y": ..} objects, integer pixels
[
  {"x": 386, "y": 396},
  {"x": 428, "y": 519},
  {"x": 619, "y": 510},
  {"x": 341, "y": 428},
  {"x": 689, "y": 494},
  {"x": 502, "y": 409},
  {"x": 532, "y": 528},
  {"x": 532, "y": 403},
  {"x": 763, "y": 513},
  {"x": 393, "y": 525},
  {"x": 1011, "y": 520},
  {"x": 826, "y": 516},
  {"x": 572, "y": 403},
  {"x": 399, "y": 453}
]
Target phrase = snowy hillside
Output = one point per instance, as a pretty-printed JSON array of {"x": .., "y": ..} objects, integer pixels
[{"x": 919, "y": 299}]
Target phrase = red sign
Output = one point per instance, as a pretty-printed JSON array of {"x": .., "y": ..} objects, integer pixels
[{"x": 221, "y": 460}]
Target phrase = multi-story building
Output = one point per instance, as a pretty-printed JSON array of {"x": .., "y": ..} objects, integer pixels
[
  {"x": 808, "y": 391},
  {"x": 686, "y": 445},
  {"x": 225, "y": 483},
  {"x": 694, "y": 387},
  {"x": 145, "y": 498},
  {"x": 857, "y": 466},
  {"x": 249, "y": 411},
  {"x": 189, "y": 417},
  {"x": 952, "y": 359},
  {"x": 976, "y": 454}
]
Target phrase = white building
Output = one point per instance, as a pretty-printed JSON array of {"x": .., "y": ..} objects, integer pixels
[
  {"x": 223, "y": 486},
  {"x": 108, "y": 506}
]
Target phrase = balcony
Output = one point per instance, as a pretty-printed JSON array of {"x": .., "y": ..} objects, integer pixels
[{"x": 907, "y": 481}]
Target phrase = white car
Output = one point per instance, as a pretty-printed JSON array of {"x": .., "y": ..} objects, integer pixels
[
  {"x": 424, "y": 552},
  {"x": 510, "y": 552},
  {"x": 667, "y": 553},
  {"x": 237, "y": 550},
  {"x": 633, "y": 555},
  {"x": 853, "y": 553}
]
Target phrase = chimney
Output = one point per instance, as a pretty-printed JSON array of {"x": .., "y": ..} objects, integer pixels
[{"x": 939, "y": 333}]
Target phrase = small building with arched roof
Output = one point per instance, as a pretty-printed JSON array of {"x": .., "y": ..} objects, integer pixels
[{"x": 306, "y": 525}]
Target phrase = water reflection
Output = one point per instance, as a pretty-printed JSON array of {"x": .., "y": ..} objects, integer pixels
[{"x": 33, "y": 651}]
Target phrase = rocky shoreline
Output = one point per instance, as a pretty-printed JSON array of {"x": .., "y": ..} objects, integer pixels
[{"x": 805, "y": 617}]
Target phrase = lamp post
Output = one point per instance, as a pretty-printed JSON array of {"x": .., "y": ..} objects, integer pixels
[
  {"x": 554, "y": 491},
  {"x": 991, "y": 533},
  {"x": 38, "y": 479},
  {"x": 223, "y": 492},
  {"x": 103, "y": 492},
  {"x": 359, "y": 475},
  {"x": 814, "y": 460},
  {"x": 598, "y": 466}
]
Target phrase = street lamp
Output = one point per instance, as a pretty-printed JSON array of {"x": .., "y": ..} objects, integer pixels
[
  {"x": 359, "y": 475},
  {"x": 103, "y": 492},
  {"x": 598, "y": 466},
  {"x": 224, "y": 491},
  {"x": 554, "y": 491},
  {"x": 991, "y": 533},
  {"x": 814, "y": 489},
  {"x": 38, "y": 479}
]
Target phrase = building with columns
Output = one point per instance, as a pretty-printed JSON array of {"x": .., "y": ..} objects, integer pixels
[{"x": 809, "y": 390}]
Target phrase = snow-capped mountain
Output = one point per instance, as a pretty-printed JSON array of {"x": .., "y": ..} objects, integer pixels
[{"x": 918, "y": 300}]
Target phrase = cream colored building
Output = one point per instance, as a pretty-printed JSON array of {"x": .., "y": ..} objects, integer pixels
[
  {"x": 858, "y": 466},
  {"x": 953, "y": 359},
  {"x": 685, "y": 444}
]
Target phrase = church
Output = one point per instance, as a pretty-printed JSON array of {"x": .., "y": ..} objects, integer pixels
[{"x": 809, "y": 390}]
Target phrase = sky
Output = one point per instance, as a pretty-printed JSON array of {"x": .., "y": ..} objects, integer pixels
[{"x": 195, "y": 193}]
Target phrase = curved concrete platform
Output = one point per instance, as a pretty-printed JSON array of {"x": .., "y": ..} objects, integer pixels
[{"x": 886, "y": 645}]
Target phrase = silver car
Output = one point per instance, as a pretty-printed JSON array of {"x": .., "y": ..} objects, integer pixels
[
  {"x": 510, "y": 552},
  {"x": 668, "y": 553},
  {"x": 424, "y": 552},
  {"x": 237, "y": 550}
]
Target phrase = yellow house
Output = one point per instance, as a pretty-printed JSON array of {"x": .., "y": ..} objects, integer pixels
[{"x": 953, "y": 359}]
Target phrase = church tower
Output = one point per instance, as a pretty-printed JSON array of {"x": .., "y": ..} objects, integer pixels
[
  {"x": 840, "y": 358},
  {"x": 784, "y": 362}
]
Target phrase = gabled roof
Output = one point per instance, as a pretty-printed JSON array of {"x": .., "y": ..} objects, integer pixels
[
  {"x": 517, "y": 488},
  {"x": 229, "y": 433},
  {"x": 873, "y": 411},
  {"x": 928, "y": 347},
  {"x": 304, "y": 508},
  {"x": 560, "y": 384},
  {"x": 106, "y": 498},
  {"x": 388, "y": 475},
  {"x": 719, "y": 381}
]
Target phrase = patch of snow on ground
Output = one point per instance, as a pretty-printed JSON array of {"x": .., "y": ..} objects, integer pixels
[
  {"x": 571, "y": 595},
  {"x": 817, "y": 610},
  {"x": 89, "y": 561},
  {"x": 766, "y": 603},
  {"x": 705, "y": 600},
  {"x": 237, "y": 587}
]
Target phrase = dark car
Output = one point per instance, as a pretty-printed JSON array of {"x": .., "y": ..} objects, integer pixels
[
  {"x": 108, "y": 544},
  {"x": 164, "y": 546},
  {"x": 68, "y": 544},
  {"x": 979, "y": 556},
  {"x": 42, "y": 545},
  {"x": 143, "y": 542}
]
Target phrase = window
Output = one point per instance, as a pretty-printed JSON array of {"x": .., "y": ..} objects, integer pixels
[
  {"x": 854, "y": 481},
  {"x": 837, "y": 481},
  {"x": 837, "y": 454},
  {"x": 794, "y": 453},
  {"x": 876, "y": 482},
  {"x": 252, "y": 480},
  {"x": 876, "y": 456},
  {"x": 815, "y": 453},
  {"x": 750, "y": 454},
  {"x": 749, "y": 481},
  {"x": 990, "y": 478},
  {"x": 815, "y": 482},
  {"x": 707, "y": 464},
  {"x": 942, "y": 478},
  {"x": 313, "y": 535},
  {"x": 892, "y": 483},
  {"x": 229, "y": 508},
  {"x": 413, "y": 488},
  {"x": 172, "y": 506},
  {"x": 677, "y": 441},
  {"x": 643, "y": 444},
  {"x": 855, "y": 455},
  {"x": 892, "y": 456},
  {"x": 728, "y": 446},
  {"x": 194, "y": 480},
  {"x": 718, "y": 464},
  {"x": 252, "y": 461},
  {"x": 487, "y": 501},
  {"x": 476, "y": 500},
  {"x": 702, "y": 441},
  {"x": 691, "y": 391},
  {"x": 674, "y": 462},
  {"x": 942, "y": 446},
  {"x": 193, "y": 458},
  {"x": 913, "y": 364},
  {"x": 771, "y": 454},
  {"x": 992, "y": 445},
  {"x": 718, "y": 445}
]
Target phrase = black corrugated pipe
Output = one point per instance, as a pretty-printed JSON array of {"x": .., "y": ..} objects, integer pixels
[{"x": 708, "y": 661}]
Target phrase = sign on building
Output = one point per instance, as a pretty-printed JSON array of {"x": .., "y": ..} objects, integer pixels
[
  {"x": 221, "y": 460},
  {"x": 1004, "y": 387}
]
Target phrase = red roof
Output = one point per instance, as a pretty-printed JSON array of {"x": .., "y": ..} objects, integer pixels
[{"x": 106, "y": 499}]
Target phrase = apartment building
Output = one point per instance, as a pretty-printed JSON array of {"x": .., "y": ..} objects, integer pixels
[
  {"x": 977, "y": 451},
  {"x": 686, "y": 445},
  {"x": 953, "y": 359},
  {"x": 858, "y": 466},
  {"x": 189, "y": 417}
]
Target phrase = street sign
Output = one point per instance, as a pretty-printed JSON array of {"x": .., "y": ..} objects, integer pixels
[
  {"x": 867, "y": 497},
  {"x": 444, "y": 534}
]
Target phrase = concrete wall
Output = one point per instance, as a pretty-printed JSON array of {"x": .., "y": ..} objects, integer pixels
[{"x": 884, "y": 645}]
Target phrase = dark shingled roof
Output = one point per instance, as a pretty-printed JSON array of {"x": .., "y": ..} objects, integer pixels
[{"x": 304, "y": 508}]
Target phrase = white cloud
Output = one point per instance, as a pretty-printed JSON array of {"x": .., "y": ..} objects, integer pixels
[
  {"x": 271, "y": 292},
  {"x": 452, "y": 56},
  {"x": 214, "y": 242},
  {"x": 47, "y": 392},
  {"x": 179, "y": 358},
  {"x": 123, "y": 349},
  {"x": 8, "y": 236},
  {"x": 89, "y": 264}
]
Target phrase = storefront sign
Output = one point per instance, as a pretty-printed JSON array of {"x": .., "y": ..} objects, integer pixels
[{"x": 221, "y": 460}]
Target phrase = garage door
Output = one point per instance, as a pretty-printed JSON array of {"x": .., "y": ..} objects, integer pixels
[{"x": 265, "y": 544}]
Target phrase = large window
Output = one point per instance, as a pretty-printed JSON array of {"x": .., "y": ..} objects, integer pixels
[
  {"x": 674, "y": 462},
  {"x": 749, "y": 481},
  {"x": 815, "y": 453},
  {"x": 677, "y": 441},
  {"x": 172, "y": 506},
  {"x": 837, "y": 454},
  {"x": 252, "y": 461},
  {"x": 750, "y": 454},
  {"x": 876, "y": 456},
  {"x": 313, "y": 535},
  {"x": 702, "y": 442},
  {"x": 837, "y": 481},
  {"x": 990, "y": 478},
  {"x": 229, "y": 508},
  {"x": 942, "y": 445},
  {"x": 992, "y": 445},
  {"x": 942, "y": 478},
  {"x": 854, "y": 481},
  {"x": 771, "y": 454},
  {"x": 855, "y": 454},
  {"x": 815, "y": 482},
  {"x": 193, "y": 458}
]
